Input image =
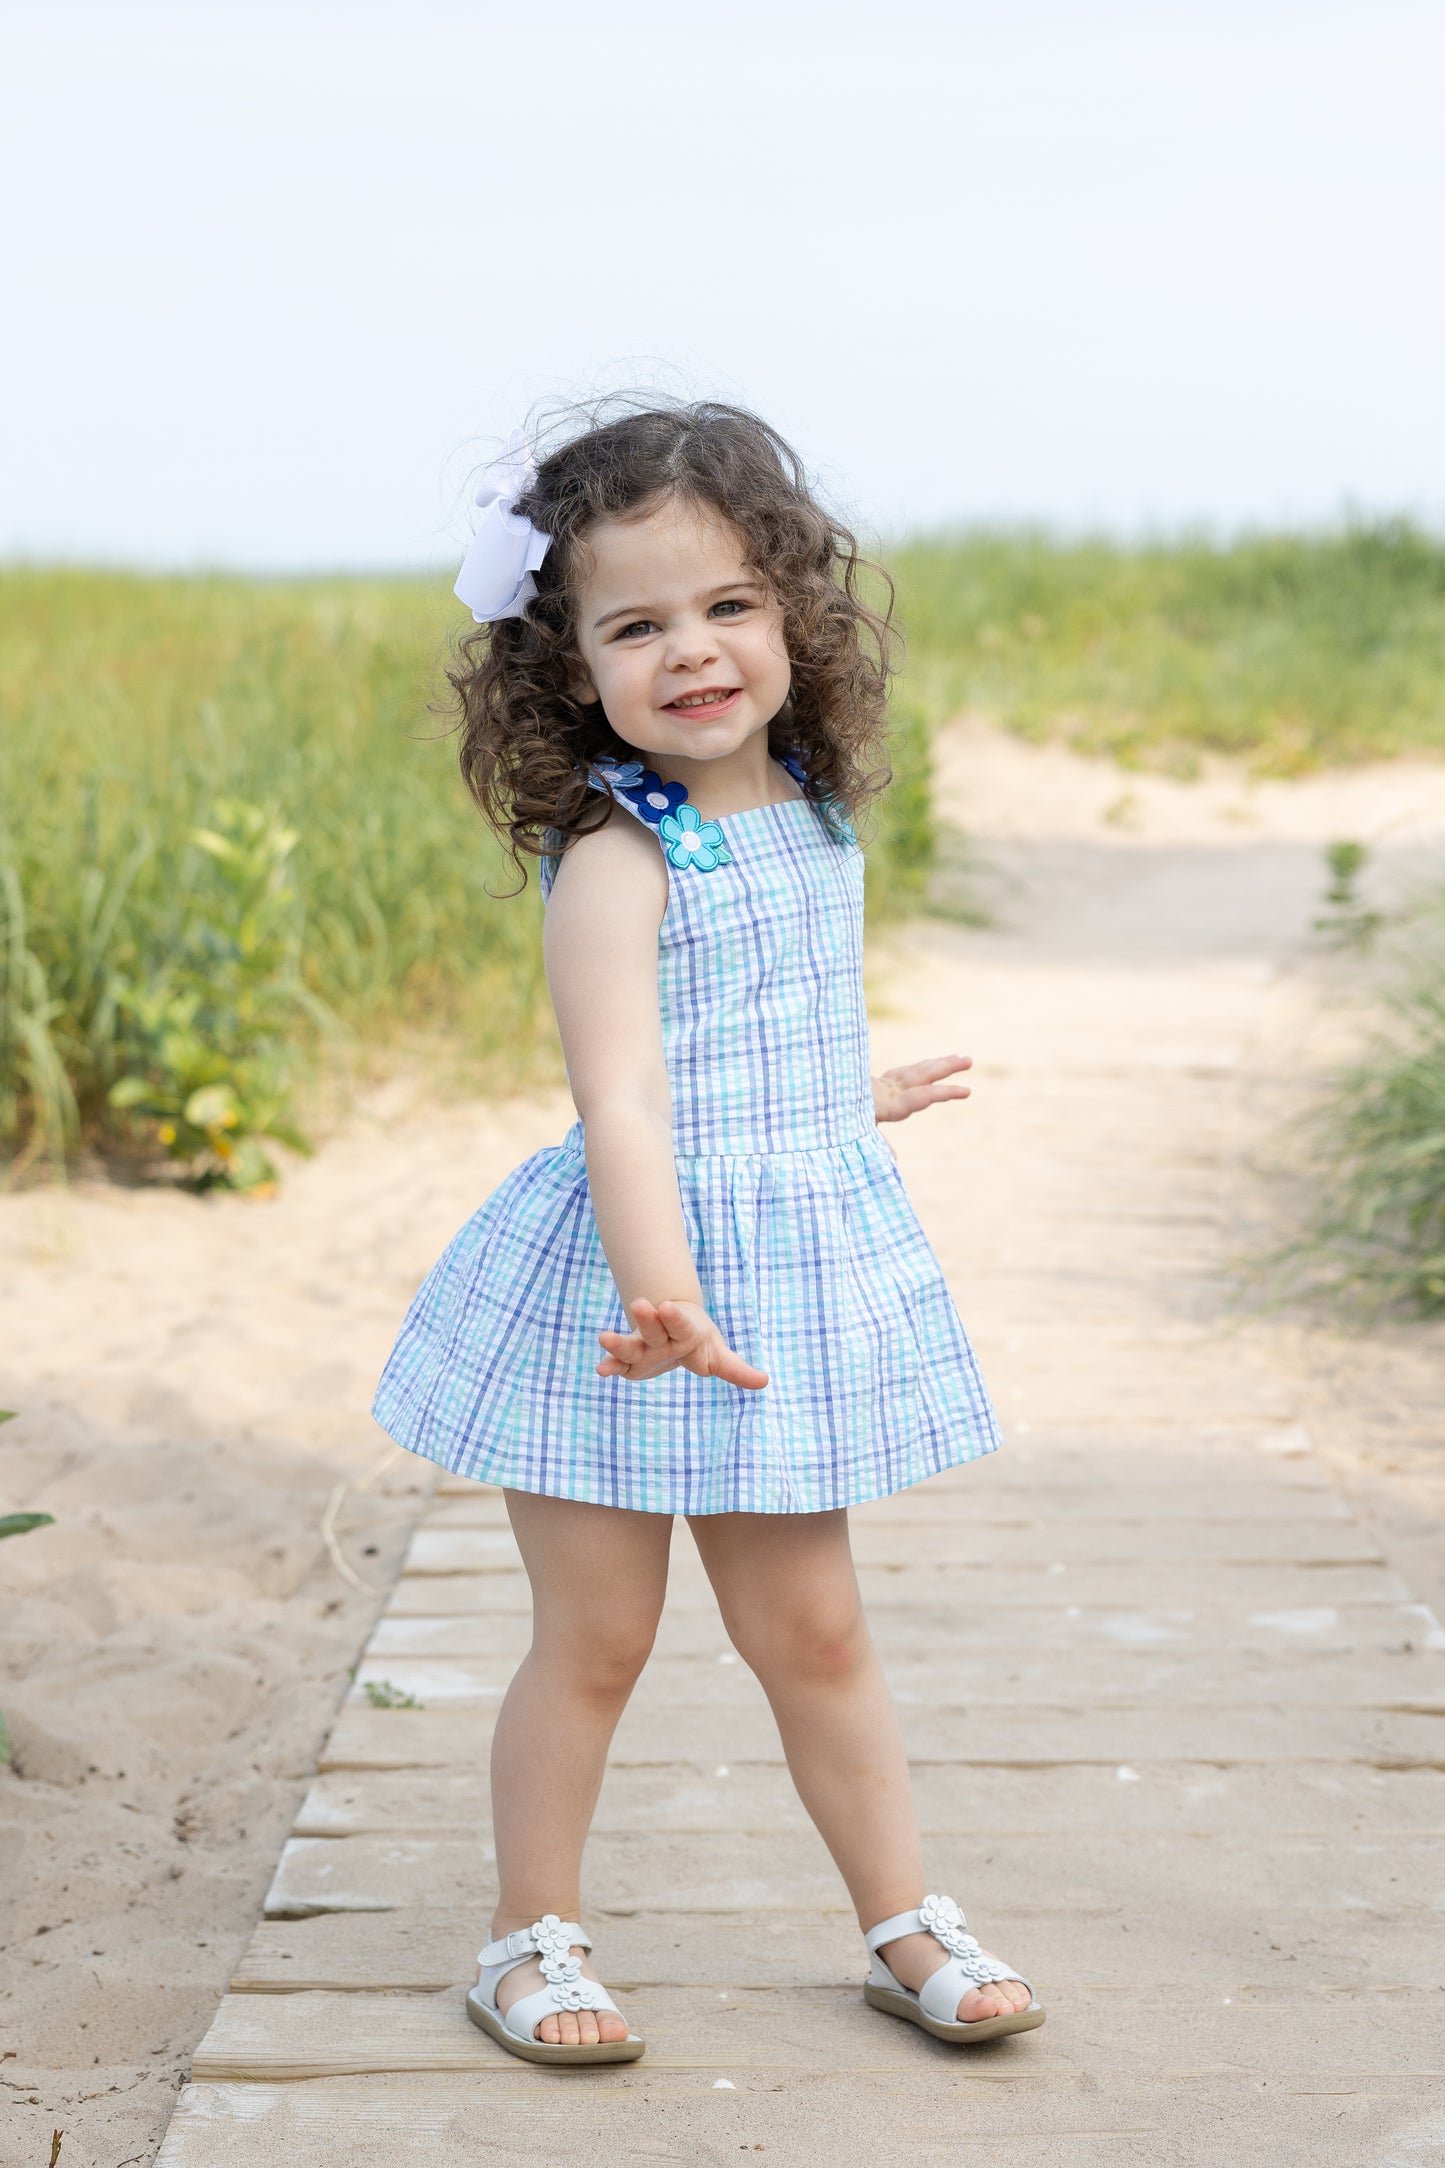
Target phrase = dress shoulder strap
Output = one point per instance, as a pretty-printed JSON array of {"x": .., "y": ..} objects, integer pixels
[{"x": 689, "y": 842}]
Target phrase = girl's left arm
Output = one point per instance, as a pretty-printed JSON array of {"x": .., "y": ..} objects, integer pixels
[{"x": 919, "y": 1084}]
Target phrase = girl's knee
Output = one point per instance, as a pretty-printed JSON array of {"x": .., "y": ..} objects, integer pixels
[
  {"x": 601, "y": 1655},
  {"x": 820, "y": 1643}
]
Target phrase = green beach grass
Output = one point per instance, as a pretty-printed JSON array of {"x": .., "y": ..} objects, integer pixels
[
  {"x": 230, "y": 827},
  {"x": 1285, "y": 650},
  {"x": 1373, "y": 1237}
]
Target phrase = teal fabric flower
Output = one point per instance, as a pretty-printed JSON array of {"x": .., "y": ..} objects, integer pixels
[{"x": 692, "y": 841}]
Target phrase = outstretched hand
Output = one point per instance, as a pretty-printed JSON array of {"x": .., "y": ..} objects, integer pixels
[
  {"x": 674, "y": 1336},
  {"x": 919, "y": 1084}
]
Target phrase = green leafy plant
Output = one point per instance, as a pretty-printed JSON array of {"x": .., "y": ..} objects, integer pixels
[
  {"x": 206, "y": 1046},
  {"x": 383, "y": 1695},
  {"x": 1345, "y": 922},
  {"x": 20, "y": 1524}
]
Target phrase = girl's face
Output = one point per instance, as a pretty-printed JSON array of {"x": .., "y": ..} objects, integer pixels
[{"x": 678, "y": 638}]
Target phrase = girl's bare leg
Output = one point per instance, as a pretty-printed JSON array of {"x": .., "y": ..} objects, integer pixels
[
  {"x": 598, "y": 1576},
  {"x": 789, "y": 1599}
]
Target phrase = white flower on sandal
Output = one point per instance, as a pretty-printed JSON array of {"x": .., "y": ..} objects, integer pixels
[
  {"x": 941, "y": 1918},
  {"x": 560, "y": 1968}
]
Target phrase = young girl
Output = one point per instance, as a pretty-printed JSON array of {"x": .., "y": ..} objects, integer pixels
[{"x": 676, "y": 706}]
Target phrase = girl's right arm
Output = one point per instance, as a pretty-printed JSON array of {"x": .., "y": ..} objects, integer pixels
[{"x": 600, "y": 946}]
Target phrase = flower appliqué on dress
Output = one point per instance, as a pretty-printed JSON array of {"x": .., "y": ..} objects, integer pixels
[
  {"x": 942, "y": 1918},
  {"x": 692, "y": 841},
  {"x": 688, "y": 839},
  {"x": 642, "y": 792}
]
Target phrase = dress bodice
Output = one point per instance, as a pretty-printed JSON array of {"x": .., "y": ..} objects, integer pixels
[{"x": 760, "y": 972}]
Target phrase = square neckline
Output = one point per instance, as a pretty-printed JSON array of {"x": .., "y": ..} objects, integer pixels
[{"x": 770, "y": 805}]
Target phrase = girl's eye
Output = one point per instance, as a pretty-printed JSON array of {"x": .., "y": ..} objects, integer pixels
[
  {"x": 639, "y": 624},
  {"x": 731, "y": 605}
]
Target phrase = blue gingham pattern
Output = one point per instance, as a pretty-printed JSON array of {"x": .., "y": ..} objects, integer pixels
[{"x": 810, "y": 1255}]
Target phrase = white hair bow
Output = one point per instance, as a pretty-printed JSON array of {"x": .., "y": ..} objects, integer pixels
[{"x": 496, "y": 576}]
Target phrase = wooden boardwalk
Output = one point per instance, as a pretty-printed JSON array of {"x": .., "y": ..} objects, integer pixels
[{"x": 1178, "y": 1723}]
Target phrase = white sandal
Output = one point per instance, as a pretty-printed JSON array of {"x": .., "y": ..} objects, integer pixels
[
  {"x": 551, "y": 1940},
  {"x": 935, "y": 2006}
]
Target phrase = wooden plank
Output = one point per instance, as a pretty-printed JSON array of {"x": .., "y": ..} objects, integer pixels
[
  {"x": 969, "y": 1545},
  {"x": 1193, "y": 1499},
  {"x": 292, "y": 2037},
  {"x": 470, "y": 1550},
  {"x": 1286, "y": 1585},
  {"x": 902, "y": 1629},
  {"x": 1177, "y": 1797},
  {"x": 1181, "y": 1586},
  {"x": 1058, "y": 2119},
  {"x": 437, "y": 1802},
  {"x": 993, "y": 1673},
  {"x": 965, "y": 1736},
  {"x": 719, "y": 1871},
  {"x": 434, "y": 1946},
  {"x": 461, "y": 1595},
  {"x": 1005, "y": 1682}
]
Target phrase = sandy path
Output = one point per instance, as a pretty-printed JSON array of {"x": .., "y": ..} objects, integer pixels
[{"x": 192, "y": 1378}]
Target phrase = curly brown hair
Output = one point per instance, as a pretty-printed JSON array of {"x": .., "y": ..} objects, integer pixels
[{"x": 526, "y": 741}]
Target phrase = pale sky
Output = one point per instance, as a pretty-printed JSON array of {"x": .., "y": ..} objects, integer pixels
[{"x": 277, "y": 278}]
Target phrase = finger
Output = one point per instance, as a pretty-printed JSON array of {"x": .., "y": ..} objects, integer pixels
[
  {"x": 681, "y": 1329},
  {"x": 650, "y": 1328},
  {"x": 930, "y": 1070},
  {"x": 629, "y": 1345},
  {"x": 735, "y": 1371}
]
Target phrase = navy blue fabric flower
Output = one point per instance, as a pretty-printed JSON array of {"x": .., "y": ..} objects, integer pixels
[{"x": 640, "y": 790}]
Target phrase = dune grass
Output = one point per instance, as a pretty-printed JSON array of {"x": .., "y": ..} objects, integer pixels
[
  {"x": 228, "y": 827},
  {"x": 1287, "y": 650},
  {"x": 1375, "y": 1236}
]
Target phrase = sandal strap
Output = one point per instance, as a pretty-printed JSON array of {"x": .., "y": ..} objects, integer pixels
[
  {"x": 943, "y": 1991},
  {"x": 902, "y": 1923},
  {"x": 528, "y": 2011},
  {"x": 969, "y": 1965},
  {"x": 546, "y": 1936}
]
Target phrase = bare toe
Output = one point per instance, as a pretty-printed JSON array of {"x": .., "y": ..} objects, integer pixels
[
  {"x": 564, "y": 2028},
  {"x": 1001, "y": 1998}
]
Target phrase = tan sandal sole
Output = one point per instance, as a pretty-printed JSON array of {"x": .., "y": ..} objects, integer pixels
[
  {"x": 982, "y": 2028},
  {"x": 547, "y": 2051}
]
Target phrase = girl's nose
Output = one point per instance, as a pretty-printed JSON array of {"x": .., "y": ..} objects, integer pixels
[{"x": 691, "y": 646}]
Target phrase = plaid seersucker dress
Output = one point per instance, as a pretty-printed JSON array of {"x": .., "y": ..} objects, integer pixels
[{"x": 811, "y": 1258}]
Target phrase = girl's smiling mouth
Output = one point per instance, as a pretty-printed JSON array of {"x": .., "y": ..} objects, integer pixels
[{"x": 714, "y": 698}]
